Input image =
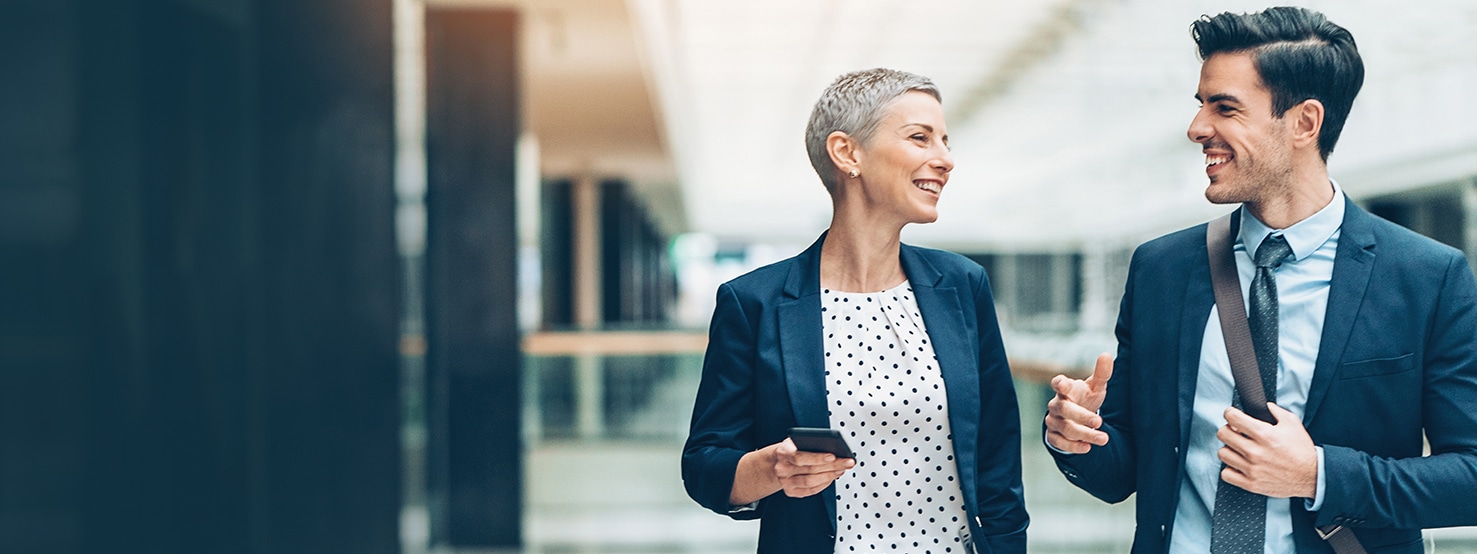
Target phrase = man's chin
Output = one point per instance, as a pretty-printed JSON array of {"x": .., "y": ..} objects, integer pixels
[{"x": 1220, "y": 194}]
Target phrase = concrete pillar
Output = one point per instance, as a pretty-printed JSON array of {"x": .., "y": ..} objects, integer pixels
[
  {"x": 474, "y": 362},
  {"x": 587, "y": 252},
  {"x": 589, "y": 374},
  {"x": 1095, "y": 314},
  {"x": 198, "y": 269}
]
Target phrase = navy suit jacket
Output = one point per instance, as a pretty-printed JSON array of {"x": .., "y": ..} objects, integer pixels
[
  {"x": 764, "y": 373},
  {"x": 1398, "y": 358}
]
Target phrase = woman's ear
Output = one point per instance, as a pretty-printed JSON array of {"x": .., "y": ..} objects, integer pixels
[
  {"x": 845, "y": 152},
  {"x": 1307, "y": 123}
]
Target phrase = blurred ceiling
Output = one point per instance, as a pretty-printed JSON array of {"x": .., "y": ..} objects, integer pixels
[{"x": 1067, "y": 117}]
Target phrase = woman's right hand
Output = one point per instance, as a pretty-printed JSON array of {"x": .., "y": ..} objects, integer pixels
[
  {"x": 782, "y": 467},
  {"x": 802, "y": 474}
]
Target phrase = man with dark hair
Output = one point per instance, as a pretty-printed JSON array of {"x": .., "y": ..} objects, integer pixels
[{"x": 1364, "y": 335}]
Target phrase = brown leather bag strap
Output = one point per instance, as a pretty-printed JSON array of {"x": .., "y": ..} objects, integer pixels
[
  {"x": 1232, "y": 309},
  {"x": 1237, "y": 334}
]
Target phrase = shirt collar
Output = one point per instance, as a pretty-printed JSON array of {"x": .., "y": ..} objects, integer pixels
[{"x": 1304, "y": 236}]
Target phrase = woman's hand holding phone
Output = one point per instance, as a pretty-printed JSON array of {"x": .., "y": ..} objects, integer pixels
[{"x": 803, "y": 473}]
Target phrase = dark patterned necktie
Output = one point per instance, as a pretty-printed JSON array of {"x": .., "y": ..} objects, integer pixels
[{"x": 1239, "y": 525}]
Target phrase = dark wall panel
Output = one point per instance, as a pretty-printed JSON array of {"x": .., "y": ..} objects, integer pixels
[
  {"x": 325, "y": 85},
  {"x": 473, "y": 361},
  {"x": 199, "y": 280}
]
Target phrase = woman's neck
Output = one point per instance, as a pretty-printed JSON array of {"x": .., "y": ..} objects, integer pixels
[{"x": 861, "y": 257}]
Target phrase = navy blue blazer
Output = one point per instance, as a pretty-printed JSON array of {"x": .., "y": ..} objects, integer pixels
[
  {"x": 1398, "y": 358},
  {"x": 764, "y": 373}
]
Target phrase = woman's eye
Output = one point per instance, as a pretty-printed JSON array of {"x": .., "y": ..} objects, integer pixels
[{"x": 920, "y": 137}]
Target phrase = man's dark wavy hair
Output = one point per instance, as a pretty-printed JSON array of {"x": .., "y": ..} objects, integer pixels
[{"x": 1299, "y": 54}]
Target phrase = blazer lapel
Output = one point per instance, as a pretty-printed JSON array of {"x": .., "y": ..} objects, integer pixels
[
  {"x": 943, "y": 315},
  {"x": 1194, "y": 315},
  {"x": 1352, "y": 266},
  {"x": 801, "y": 344}
]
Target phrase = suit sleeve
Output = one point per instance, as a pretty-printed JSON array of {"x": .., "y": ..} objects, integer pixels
[
  {"x": 1364, "y": 490},
  {"x": 723, "y": 414},
  {"x": 1108, "y": 472},
  {"x": 1002, "y": 507}
]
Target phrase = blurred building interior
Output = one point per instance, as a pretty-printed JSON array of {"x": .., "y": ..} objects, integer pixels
[{"x": 382, "y": 276}]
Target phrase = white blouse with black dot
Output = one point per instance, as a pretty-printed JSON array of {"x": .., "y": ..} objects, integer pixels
[{"x": 885, "y": 393}]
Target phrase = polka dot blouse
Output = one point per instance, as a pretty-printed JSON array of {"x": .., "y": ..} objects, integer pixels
[{"x": 885, "y": 393}]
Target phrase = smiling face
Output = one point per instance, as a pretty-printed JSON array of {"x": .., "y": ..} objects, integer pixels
[
  {"x": 906, "y": 163},
  {"x": 1248, "y": 152}
]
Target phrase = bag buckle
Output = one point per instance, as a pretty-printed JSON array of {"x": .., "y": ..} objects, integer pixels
[{"x": 1331, "y": 532}]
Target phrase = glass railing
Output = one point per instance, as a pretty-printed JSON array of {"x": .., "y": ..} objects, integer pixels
[{"x": 606, "y": 414}]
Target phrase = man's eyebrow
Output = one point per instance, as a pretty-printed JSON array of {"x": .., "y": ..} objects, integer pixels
[{"x": 1219, "y": 98}]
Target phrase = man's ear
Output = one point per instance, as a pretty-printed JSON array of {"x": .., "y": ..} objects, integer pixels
[
  {"x": 845, "y": 152},
  {"x": 1307, "y": 123}
]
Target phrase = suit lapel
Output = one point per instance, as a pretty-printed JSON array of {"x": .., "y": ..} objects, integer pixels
[
  {"x": 1352, "y": 266},
  {"x": 943, "y": 315},
  {"x": 801, "y": 343},
  {"x": 802, "y": 348},
  {"x": 1199, "y": 298}
]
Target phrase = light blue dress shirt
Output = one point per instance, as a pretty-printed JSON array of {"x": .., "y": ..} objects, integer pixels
[{"x": 1302, "y": 297}]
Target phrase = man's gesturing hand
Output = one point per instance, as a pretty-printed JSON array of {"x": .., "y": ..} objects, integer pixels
[{"x": 1071, "y": 417}]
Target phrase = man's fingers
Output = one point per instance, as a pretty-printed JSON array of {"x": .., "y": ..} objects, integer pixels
[
  {"x": 1065, "y": 387},
  {"x": 1239, "y": 422},
  {"x": 1063, "y": 444},
  {"x": 1280, "y": 414},
  {"x": 1231, "y": 438},
  {"x": 1101, "y": 372},
  {"x": 1234, "y": 477},
  {"x": 1074, "y": 412},
  {"x": 1073, "y": 431},
  {"x": 1232, "y": 458}
]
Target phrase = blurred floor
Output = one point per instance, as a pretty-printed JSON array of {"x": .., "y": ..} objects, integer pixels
[
  {"x": 624, "y": 495},
  {"x": 627, "y": 498}
]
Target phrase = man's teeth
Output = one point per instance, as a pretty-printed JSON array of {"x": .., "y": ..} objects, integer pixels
[
  {"x": 1216, "y": 160},
  {"x": 929, "y": 186}
]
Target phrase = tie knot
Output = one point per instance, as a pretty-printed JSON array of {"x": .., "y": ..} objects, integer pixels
[{"x": 1273, "y": 249}]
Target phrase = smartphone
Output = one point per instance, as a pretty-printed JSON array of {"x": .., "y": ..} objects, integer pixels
[{"x": 811, "y": 439}]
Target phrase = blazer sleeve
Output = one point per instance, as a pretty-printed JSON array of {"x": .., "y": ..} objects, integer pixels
[
  {"x": 1108, "y": 472},
  {"x": 1363, "y": 490},
  {"x": 722, "y": 428},
  {"x": 1002, "y": 508}
]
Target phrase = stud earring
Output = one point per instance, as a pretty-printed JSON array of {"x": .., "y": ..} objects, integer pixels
[{"x": 853, "y": 174}]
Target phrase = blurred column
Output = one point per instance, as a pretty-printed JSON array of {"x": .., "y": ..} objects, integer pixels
[
  {"x": 589, "y": 375},
  {"x": 1095, "y": 314},
  {"x": 586, "y": 199},
  {"x": 475, "y": 454},
  {"x": 1064, "y": 283},
  {"x": 200, "y": 294},
  {"x": 326, "y": 378}
]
